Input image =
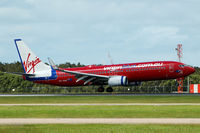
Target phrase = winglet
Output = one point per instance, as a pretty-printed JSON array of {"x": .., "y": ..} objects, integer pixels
[{"x": 51, "y": 62}]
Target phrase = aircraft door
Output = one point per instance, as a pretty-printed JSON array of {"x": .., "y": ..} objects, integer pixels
[
  {"x": 112, "y": 72},
  {"x": 171, "y": 68}
]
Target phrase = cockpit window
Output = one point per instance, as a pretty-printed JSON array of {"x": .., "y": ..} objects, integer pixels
[
  {"x": 187, "y": 65},
  {"x": 182, "y": 66}
]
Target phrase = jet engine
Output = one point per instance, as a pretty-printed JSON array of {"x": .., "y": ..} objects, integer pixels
[{"x": 118, "y": 81}]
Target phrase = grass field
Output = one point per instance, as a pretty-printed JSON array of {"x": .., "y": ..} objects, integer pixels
[
  {"x": 99, "y": 111},
  {"x": 102, "y": 99},
  {"x": 91, "y": 128}
]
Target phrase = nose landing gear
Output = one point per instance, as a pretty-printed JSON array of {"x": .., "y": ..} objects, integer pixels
[{"x": 101, "y": 89}]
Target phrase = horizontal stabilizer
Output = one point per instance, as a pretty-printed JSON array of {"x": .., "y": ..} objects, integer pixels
[{"x": 21, "y": 74}]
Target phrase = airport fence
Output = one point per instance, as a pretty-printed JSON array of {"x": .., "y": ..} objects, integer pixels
[{"x": 92, "y": 90}]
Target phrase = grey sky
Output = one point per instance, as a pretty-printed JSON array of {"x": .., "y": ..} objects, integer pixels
[{"x": 85, "y": 30}]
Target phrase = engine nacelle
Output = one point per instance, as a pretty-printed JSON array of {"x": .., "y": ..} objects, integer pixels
[{"x": 118, "y": 81}]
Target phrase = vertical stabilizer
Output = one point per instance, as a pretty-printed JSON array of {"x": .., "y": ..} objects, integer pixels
[{"x": 30, "y": 62}]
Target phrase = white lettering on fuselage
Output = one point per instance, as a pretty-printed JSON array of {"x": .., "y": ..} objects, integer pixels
[
  {"x": 133, "y": 66},
  {"x": 113, "y": 68}
]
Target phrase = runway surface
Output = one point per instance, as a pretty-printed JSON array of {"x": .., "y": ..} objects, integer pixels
[
  {"x": 107, "y": 104},
  {"x": 11, "y": 121}
]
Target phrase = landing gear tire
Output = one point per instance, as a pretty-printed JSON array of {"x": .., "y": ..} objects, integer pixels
[
  {"x": 109, "y": 89},
  {"x": 100, "y": 89}
]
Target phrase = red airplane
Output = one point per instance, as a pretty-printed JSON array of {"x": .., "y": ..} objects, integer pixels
[{"x": 129, "y": 74}]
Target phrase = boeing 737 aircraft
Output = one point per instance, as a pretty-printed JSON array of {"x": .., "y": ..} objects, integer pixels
[{"x": 112, "y": 75}]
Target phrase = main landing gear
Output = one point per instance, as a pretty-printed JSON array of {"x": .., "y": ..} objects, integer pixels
[
  {"x": 109, "y": 89},
  {"x": 101, "y": 89}
]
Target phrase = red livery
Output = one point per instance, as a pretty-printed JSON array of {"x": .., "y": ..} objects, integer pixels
[{"x": 113, "y": 75}]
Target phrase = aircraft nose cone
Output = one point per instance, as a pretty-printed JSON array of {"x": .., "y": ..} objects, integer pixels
[
  {"x": 192, "y": 70},
  {"x": 189, "y": 70}
]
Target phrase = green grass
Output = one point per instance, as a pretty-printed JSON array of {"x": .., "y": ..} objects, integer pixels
[
  {"x": 99, "y": 128},
  {"x": 102, "y": 99},
  {"x": 99, "y": 111}
]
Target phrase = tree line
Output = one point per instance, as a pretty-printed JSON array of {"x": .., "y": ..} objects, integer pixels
[{"x": 10, "y": 83}]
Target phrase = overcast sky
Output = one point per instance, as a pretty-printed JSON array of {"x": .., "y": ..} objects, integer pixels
[{"x": 86, "y": 30}]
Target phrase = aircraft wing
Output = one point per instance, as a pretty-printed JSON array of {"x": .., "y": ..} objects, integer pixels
[
  {"x": 82, "y": 74},
  {"x": 87, "y": 77}
]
